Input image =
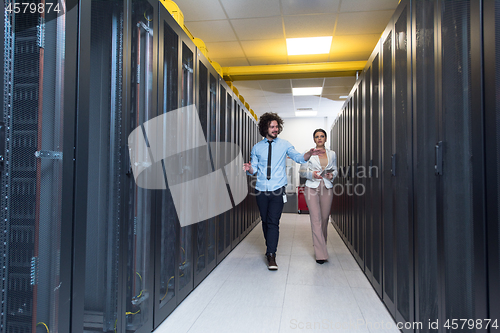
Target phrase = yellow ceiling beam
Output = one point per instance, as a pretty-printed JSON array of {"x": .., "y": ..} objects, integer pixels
[{"x": 293, "y": 71}]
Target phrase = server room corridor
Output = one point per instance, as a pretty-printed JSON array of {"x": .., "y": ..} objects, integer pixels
[{"x": 242, "y": 295}]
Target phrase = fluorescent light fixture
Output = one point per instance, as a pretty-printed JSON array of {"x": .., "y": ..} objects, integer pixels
[
  {"x": 345, "y": 97},
  {"x": 310, "y": 45},
  {"x": 305, "y": 113},
  {"x": 307, "y": 91}
]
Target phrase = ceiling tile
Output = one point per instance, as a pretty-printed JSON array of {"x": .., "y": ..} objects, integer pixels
[
  {"x": 270, "y": 47},
  {"x": 308, "y": 58},
  {"x": 300, "y": 7},
  {"x": 309, "y": 26},
  {"x": 283, "y": 105},
  {"x": 258, "y": 28},
  {"x": 253, "y": 84},
  {"x": 285, "y": 114},
  {"x": 230, "y": 62},
  {"x": 220, "y": 31},
  {"x": 363, "y": 22},
  {"x": 221, "y": 50},
  {"x": 276, "y": 84},
  {"x": 360, "y": 56},
  {"x": 340, "y": 81},
  {"x": 192, "y": 11},
  {"x": 354, "y": 43},
  {"x": 336, "y": 90},
  {"x": 276, "y": 60},
  {"x": 252, "y": 95},
  {"x": 333, "y": 98},
  {"x": 306, "y": 99},
  {"x": 280, "y": 99},
  {"x": 256, "y": 105},
  {"x": 364, "y": 5},
  {"x": 254, "y": 8},
  {"x": 305, "y": 83}
]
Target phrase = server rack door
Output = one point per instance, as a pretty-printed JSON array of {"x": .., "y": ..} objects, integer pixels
[
  {"x": 223, "y": 219},
  {"x": 388, "y": 276},
  {"x": 100, "y": 170},
  {"x": 359, "y": 159},
  {"x": 139, "y": 201},
  {"x": 355, "y": 182},
  {"x": 236, "y": 223},
  {"x": 205, "y": 166},
  {"x": 461, "y": 222},
  {"x": 349, "y": 167},
  {"x": 186, "y": 233},
  {"x": 402, "y": 161},
  {"x": 361, "y": 212},
  {"x": 230, "y": 138},
  {"x": 167, "y": 251},
  {"x": 35, "y": 125},
  {"x": 492, "y": 148},
  {"x": 424, "y": 141},
  {"x": 366, "y": 208},
  {"x": 214, "y": 133},
  {"x": 374, "y": 179}
]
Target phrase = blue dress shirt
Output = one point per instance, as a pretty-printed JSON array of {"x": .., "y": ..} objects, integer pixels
[{"x": 280, "y": 149}]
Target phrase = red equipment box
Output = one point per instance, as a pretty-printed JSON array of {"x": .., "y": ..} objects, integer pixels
[{"x": 301, "y": 200}]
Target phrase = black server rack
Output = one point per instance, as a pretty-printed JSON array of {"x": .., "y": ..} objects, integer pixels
[
  {"x": 84, "y": 248},
  {"x": 491, "y": 30},
  {"x": 429, "y": 127},
  {"x": 36, "y": 166}
]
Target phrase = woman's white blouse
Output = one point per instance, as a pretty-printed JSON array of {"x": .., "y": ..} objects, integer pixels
[{"x": 314, "y": 164}]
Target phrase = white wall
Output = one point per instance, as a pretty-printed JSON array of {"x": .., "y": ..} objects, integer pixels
[{"x": 299, "y": 131}]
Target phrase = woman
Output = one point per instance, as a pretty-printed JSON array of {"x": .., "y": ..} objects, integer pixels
[{"x": 320, "y": 171}]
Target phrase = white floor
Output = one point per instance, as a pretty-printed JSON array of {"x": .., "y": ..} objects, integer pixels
[{"x": 242, "y": 295}]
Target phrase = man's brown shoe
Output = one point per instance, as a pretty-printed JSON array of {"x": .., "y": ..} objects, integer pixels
[{"x": 271, "y": 262}]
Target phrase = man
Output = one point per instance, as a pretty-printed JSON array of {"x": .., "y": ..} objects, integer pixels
[{"x": 268, "y": 160}]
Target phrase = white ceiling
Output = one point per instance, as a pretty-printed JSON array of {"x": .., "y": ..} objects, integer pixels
[{"x": 253, "y": 32}]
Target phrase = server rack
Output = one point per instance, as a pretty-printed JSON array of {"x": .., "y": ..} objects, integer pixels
[
  {"x": 435, "y": 140},
  {"x": 87, "y": 249},
  {"x": 491, "y": 29},
  {"x": 39, "y": 61},
  {"x": 167, "y": 227}
]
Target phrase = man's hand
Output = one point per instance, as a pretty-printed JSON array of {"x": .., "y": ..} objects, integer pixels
[{"x": 248, "y": 167}]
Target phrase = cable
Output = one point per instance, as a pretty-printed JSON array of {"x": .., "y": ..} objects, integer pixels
[
  {"x": 132, "y": 313},
  {"x": 167, "y": 288},
  {"x": 46, "y": 327},
  {"x": 184, "y": 255},
  {"x": 140, "y": 294}
]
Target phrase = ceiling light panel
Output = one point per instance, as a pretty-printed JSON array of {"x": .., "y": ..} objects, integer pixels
[
  {"x": 307, "y": 91},
  {"x": 311, "y": 45}
]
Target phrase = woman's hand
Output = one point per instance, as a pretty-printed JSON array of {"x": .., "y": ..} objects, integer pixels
[
  {"x": 316, "y": 175},
  {"x": 329, "y": 176}
]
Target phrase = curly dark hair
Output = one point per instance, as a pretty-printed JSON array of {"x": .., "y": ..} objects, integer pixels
[{"x": 266, "y": 119}]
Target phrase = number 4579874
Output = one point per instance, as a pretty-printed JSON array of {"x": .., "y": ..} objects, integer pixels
[{"x": 30, "y": 7}]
